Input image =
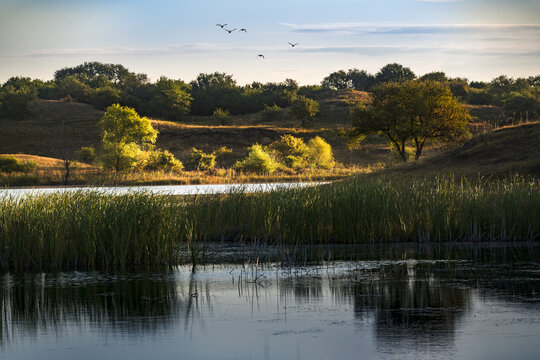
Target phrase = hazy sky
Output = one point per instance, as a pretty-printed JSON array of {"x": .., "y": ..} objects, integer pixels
[{"x": 477, "y": 39}]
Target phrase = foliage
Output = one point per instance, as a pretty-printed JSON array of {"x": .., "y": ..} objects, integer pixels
[
  {"x": 320, "y": 154},
  {"x": 15, "y": 96},
  {"x": 353, "y": 78},
  {"x": 125, "y": 135},
  {"x": 201, "y": 160},
  {"x": 435, "y": 76},
  {"x": 170, "y": 99},
  {"x": 161, "y": 160},
  {"x": 221, "y": 115},
  {"x": 304, "y": 109},
  {"x": 257, "y": 161},
  {"x": 74, "y": 88},
  {"x": 271, "y": 113},
  {"x": 9, "y": 164},
  {"x": 518, "y": 107},
  {"x": 412, "y": 111},
  {"x": 87, "y": 154},
  {"x": 394, "y": 73},
  {"x": 291, "y": 151}
]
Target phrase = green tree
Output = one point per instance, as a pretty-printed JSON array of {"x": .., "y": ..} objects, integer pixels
[
  {"x": 16, "y": 94},
  {"x": 337, "y": 80},
  {"x": 394, "y": 73},
  {"x": 304, "y": 109},
  {"x": 125, "y": 135},
  {"x": 435, "y": 76},
  {"x": 412, "y": 112}
]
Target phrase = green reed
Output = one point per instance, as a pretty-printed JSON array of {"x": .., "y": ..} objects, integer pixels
[{"x": 95, "y": 231}]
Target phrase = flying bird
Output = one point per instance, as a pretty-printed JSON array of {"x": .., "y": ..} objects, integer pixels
[
  {"x": 244, "y": 30},
  {"x": 229, "y": 31},
  {"x": 293, "y": 45},
  {"x": 260, "y": 55},
  {"x": 221, "y": 25}
]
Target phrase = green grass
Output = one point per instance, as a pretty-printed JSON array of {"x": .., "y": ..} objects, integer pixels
[{"x": 92, "y": 231}]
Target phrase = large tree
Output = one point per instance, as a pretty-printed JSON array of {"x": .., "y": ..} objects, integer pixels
[
  {"x": 125, "y": 136},
  {"x": 394, "y": 73},
  {"x": 412, "y": 112}
]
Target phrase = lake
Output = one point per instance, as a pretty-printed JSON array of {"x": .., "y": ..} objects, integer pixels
[
  {"x": 474, "y": 304},
  {"x": 160, "y": 189}
]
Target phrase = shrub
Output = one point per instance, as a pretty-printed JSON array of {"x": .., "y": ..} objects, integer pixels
[
  {"x": 224, "y": 154},
  {"x": 87, "y": 154},
  {"x": 270, "y": 113},
  {"x": 221, "y": 115},
  {"x": 257, "y": 161},
  {"x": 201, "y": 160},
  {"x": 320, "y": 154},
  {"x": 290, "y": 150},
  {"x": 9, "y": 164},
  {"x": 161, "y": 160}
]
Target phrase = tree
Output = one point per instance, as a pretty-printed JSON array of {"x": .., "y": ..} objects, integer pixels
[
  {"x": 170, "y": 99},
  {"x": 304, "y": 109},
  {"x": 16, "y": 94},
  {"x": 337, "y": 80},
  {"x": 394, "y": 73},
  {"x": 361, "y": 79},
  {"x": 125, "y": 135},
  {"x": 435, "y": 76},
  {"x": 411, "y": 112}
]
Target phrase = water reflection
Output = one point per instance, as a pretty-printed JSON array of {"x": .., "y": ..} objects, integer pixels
[{"x": 400, "y": 304}]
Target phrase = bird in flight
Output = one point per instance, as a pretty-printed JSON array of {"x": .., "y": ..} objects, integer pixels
[
  {"x": 221, "y": 25},
  {"x": 293, "y": 45},
  {"x": 261, "y": 56},
  {"x": 244, "y": 30},
  {"x": 229, "y": 31}
]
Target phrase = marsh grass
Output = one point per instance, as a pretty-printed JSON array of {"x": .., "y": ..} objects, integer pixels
[{"x": 96, "y": 231}]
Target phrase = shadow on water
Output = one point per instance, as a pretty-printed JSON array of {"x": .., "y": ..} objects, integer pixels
[{"x": 419, "y": 302}]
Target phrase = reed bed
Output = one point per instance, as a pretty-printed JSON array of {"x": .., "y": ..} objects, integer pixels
[{"x": 95, "y": 231}]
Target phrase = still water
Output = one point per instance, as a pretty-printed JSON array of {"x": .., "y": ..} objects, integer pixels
[
  {"x": 384, "y": 309},
  {"x": 160, "y": 189}
]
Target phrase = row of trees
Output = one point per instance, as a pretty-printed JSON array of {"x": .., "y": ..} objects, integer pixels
[
  {"x": 105, "y": 84},
  {"x": 519, "y": 98}
]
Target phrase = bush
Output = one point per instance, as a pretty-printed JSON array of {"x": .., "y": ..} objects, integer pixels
[
  {"x": 87, "y": 154},
  {"x": 161, "y": 160},
  {"x": 224, "y": 155},
  {"x": 270, "y": 113},
  {"x": 257, "y": 161},
  {"x": 9, "y": 164},
  {"x": 320, "y": 154},
  {"x": 221, "y": 115},
  {"x": 201, "y": 160},
  {"x": 290, "y": 150}
]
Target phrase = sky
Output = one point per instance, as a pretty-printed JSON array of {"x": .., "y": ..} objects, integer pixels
[{"x": 475, "y": 39}]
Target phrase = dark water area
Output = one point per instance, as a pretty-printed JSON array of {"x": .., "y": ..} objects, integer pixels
[{"x": 485, "y": 305}]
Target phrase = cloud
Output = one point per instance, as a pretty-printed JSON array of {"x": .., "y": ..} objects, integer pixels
[
  {"x": 384, "y": 29},
  {"x": 195, "y": 48}
]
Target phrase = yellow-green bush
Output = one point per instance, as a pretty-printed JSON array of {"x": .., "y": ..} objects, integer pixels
[
  {"x": 257, "y": 161},
  {"x": 320, "y": 154}
]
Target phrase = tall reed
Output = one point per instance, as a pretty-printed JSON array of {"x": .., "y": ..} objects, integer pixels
[{"x": 96, "y": 231}]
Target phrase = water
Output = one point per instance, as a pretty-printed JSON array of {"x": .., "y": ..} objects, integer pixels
[
  {"x": 161, "y": 189},
  {"x": 384, "y": 309}
]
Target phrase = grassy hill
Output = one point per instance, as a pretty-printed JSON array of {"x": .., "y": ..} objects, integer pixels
[
  {"x": 57, "y": 129},
  {"x": 500, "y": 153}
]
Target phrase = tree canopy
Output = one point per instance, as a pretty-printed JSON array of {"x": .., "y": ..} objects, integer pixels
[
  {"x": 124, "y": 135},
  {"x": 412, "y": 112}
]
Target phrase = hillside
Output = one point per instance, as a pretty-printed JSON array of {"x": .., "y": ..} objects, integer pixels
[
  {"x": 56, "y": 129},
  {"x": 500, "y": 153}
]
